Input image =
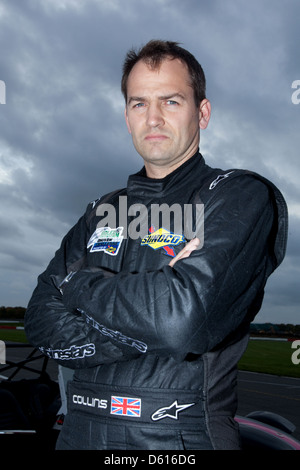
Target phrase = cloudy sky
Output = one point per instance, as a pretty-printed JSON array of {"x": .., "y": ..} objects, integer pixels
[{"x": 63, "y": 139}]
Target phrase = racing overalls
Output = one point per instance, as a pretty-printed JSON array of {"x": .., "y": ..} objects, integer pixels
[{"x": 155, "y": 348}]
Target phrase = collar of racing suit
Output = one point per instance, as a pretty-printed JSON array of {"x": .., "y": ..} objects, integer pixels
[{"x": 140, "y": 185}]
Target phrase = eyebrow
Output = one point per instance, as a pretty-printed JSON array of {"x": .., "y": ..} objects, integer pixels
[{"x": 162, "y": 98}]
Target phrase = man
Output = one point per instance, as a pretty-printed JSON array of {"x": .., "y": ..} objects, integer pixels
[{"x": 155, "y": 324}]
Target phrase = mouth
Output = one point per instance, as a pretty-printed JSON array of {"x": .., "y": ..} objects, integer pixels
[{"x": 155, "y": 137}]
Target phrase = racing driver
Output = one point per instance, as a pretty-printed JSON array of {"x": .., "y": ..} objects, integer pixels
[{"x": 153, "y": 325}]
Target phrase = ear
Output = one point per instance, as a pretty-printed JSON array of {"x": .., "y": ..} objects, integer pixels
[
  {"x": 204, "y": 113},
  {"x": 127, "y": 120}
]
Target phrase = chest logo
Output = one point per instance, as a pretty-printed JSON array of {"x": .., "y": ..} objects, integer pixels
[
  {"x": 162, "y": 238},
  {"x": 106, "y": 239}
]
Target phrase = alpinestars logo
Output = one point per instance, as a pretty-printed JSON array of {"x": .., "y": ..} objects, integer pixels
[
  {"x": 74, "y": 352},
  {"x": 170, "y": 411},
  {"x": 218, "y": 179}
]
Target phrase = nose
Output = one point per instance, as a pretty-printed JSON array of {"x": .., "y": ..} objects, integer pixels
[{"x": 154, "y": 115}]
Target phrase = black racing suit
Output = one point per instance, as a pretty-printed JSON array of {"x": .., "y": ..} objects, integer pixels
[{"x": 155, "y": 347}]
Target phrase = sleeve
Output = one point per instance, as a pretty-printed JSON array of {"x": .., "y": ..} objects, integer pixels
[
  {"x": 193, "y": 306},
  {"x": 61, "y": 332}
]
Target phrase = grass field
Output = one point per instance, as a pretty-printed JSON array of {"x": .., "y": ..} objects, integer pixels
[
  {"x": 270, "y": 357},
  {"x": 12, "y": 335}
]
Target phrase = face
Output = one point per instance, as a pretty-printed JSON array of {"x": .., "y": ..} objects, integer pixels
[{"x": 162, "y": 116}]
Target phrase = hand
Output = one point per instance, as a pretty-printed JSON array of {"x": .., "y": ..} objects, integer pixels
[{"x": 186, "y": 251}]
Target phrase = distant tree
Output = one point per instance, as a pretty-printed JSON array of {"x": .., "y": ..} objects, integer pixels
[{"x": 12, "y": 313}]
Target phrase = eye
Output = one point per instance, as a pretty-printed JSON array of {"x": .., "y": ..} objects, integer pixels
[
  {"x": 138, "y": 105},
  {"x": 171, "y": 102}
]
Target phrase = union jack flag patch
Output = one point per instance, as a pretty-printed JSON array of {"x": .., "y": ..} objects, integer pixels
[{"x": 123, "y": 406}]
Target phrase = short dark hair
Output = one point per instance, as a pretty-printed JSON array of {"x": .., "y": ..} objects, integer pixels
[{"x": 154, "y": 52}]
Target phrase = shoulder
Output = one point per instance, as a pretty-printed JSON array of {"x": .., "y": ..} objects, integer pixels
[
  {"x": 234, "y": 183},
  {"x": 247, "y": 182},
  {"x": 255, "y": 193},
  {"x": 236, "y": 178},
  {"x": 109, "y": 198}
]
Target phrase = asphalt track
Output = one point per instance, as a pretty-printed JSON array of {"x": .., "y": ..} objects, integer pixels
[
  {"x": 256, "y": 392},
  {"x": 263, "y": 392}
]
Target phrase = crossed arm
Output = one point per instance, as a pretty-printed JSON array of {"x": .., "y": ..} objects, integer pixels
[
  {"x": 186, "y": 251},
  {"x": 189, "y": 305}
]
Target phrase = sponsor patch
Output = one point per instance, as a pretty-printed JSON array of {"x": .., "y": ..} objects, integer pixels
[
  {"x": 123, "y": 406},
  {"x": 162, "y": 238},
  {"x": 106, "y": 239}
]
